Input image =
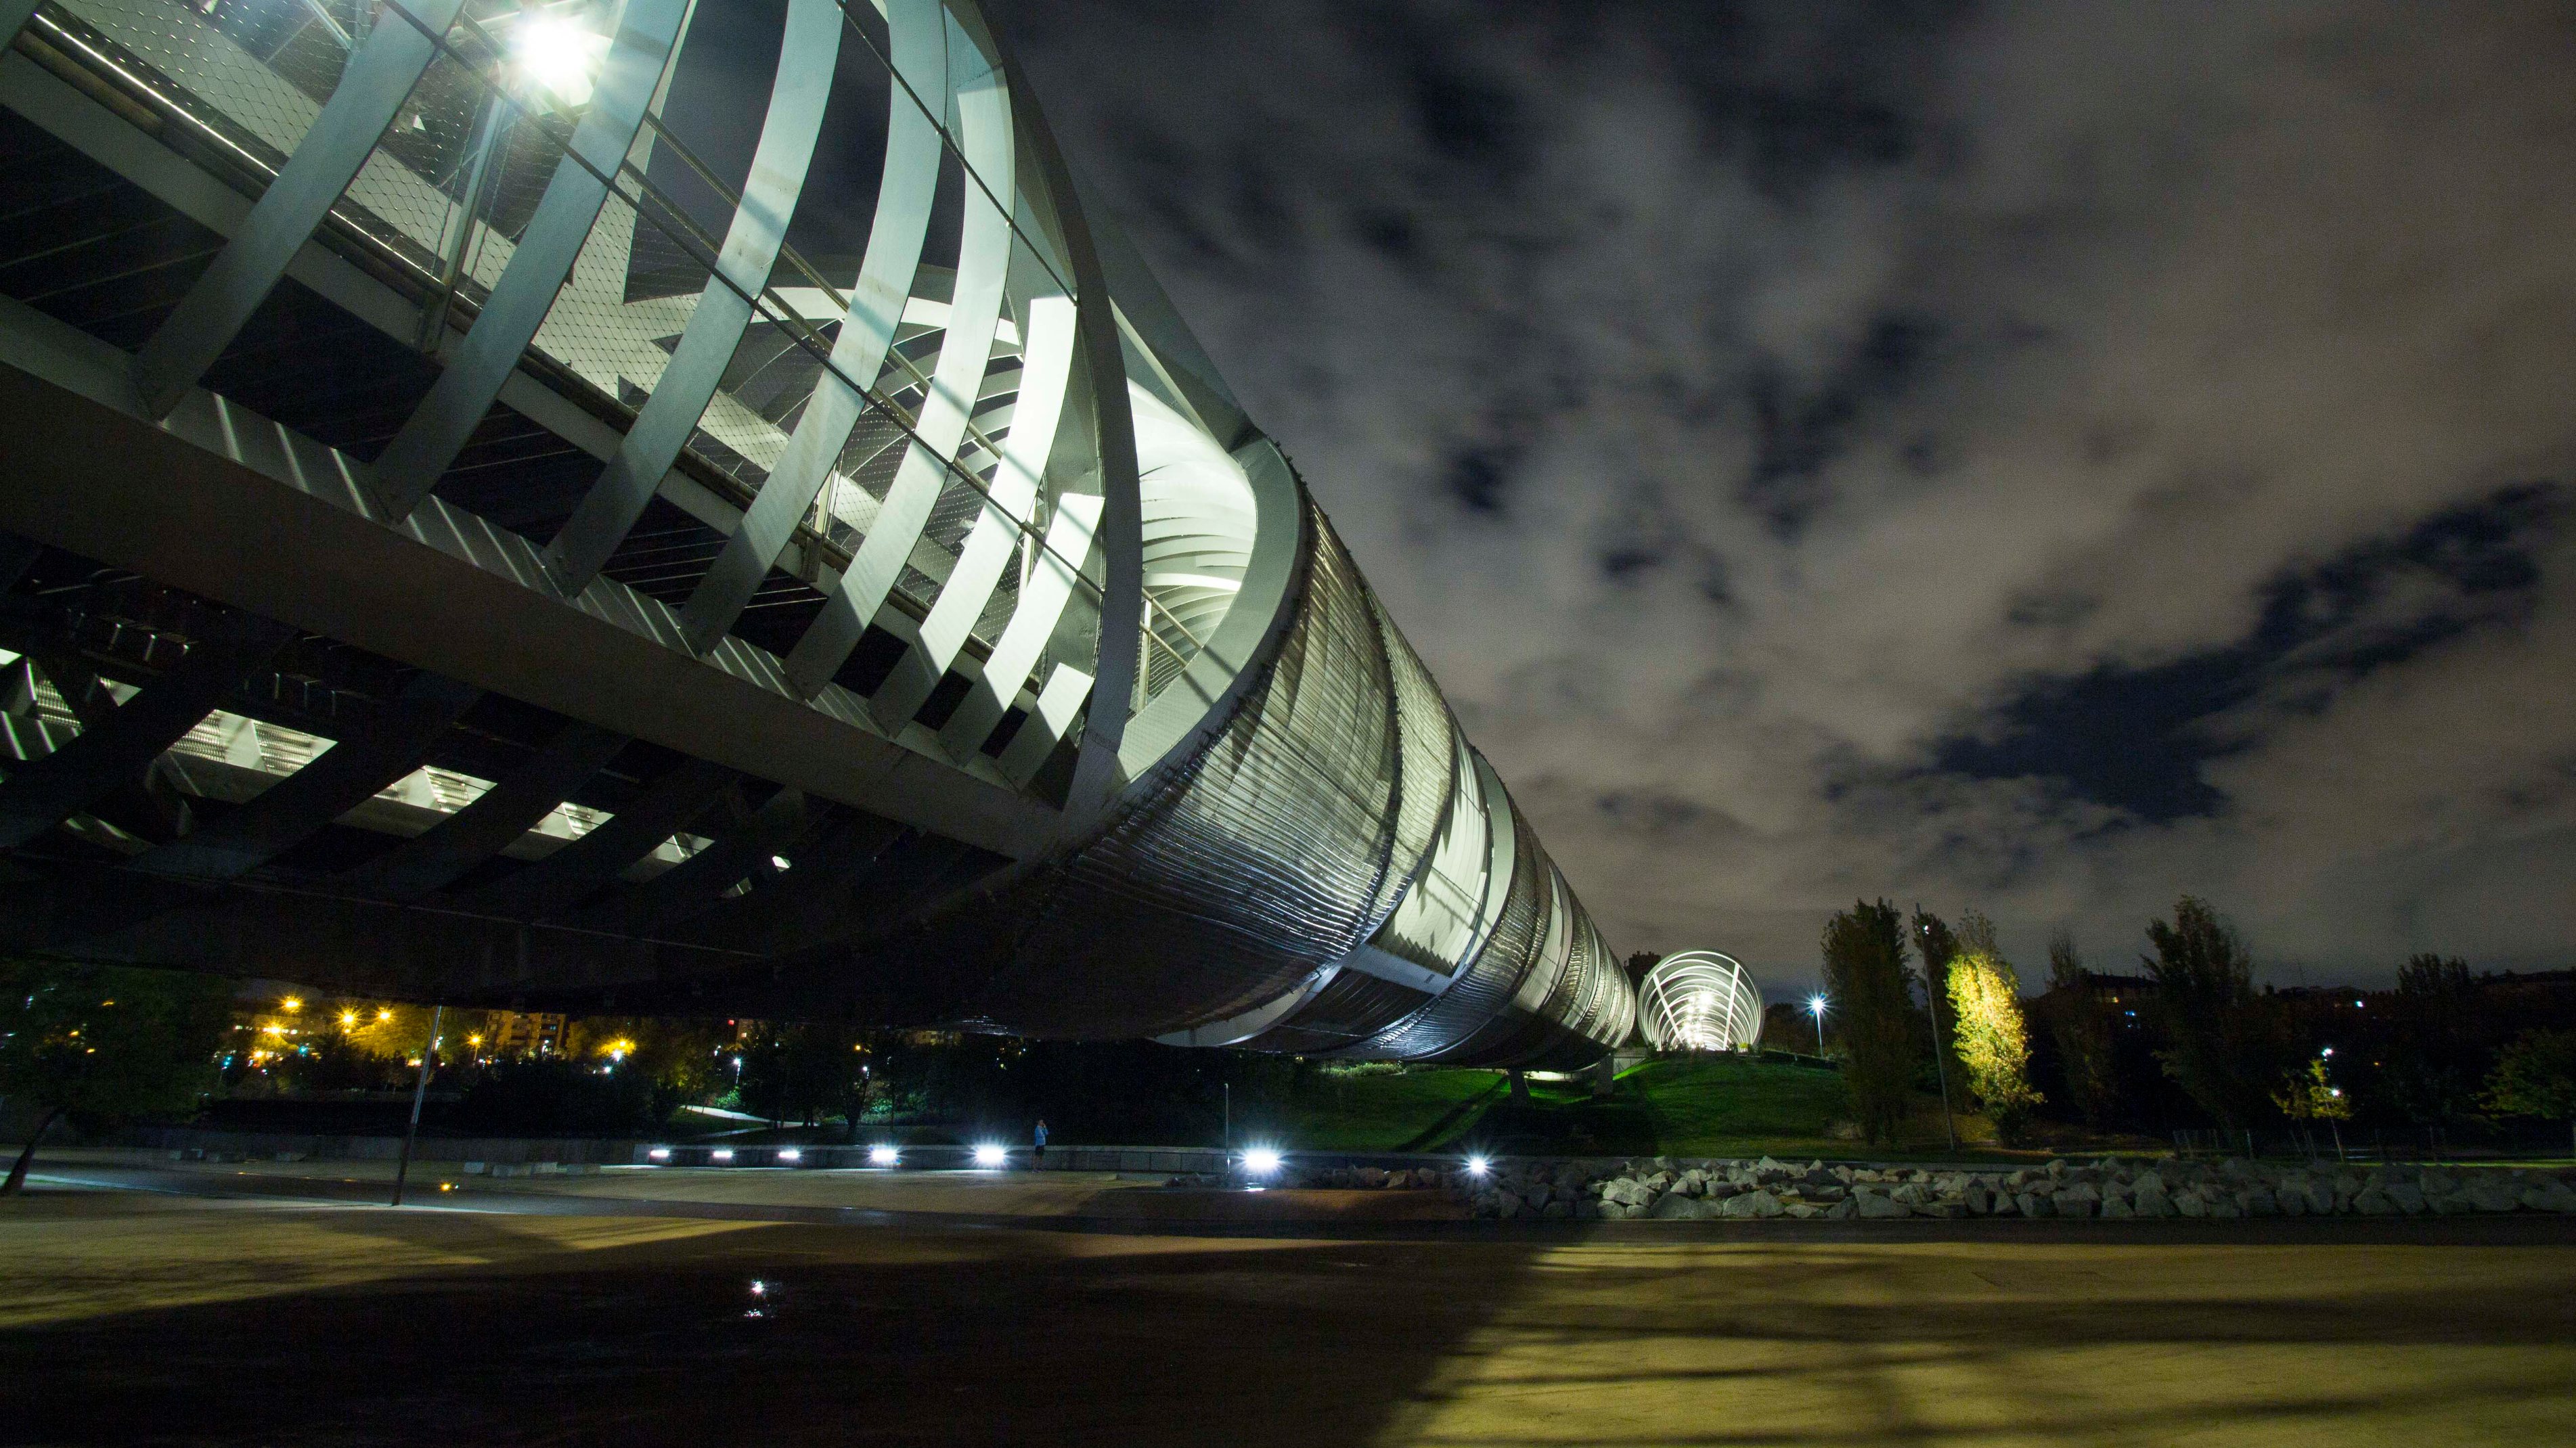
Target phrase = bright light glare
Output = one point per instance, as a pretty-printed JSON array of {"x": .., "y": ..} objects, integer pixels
[
  {"x": 1477, "y": 1165},
  {"x": 659, "y": 1153},
  {"x": 1261, "y": 1161},
  {"x": 789, "y": 1153},
  {"x": 557, "y": 55},
  {"x": 722, "y": 1153},
  {"x": 1816, "y": 1004},
  {"x": 883, "y": 1156},
  {"x": 989, "y": 1155}
]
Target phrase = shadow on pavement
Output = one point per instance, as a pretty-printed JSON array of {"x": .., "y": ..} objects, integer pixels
[
  {"x": 860, "y": 1337},
  {"x": 522, "y": 1327}
]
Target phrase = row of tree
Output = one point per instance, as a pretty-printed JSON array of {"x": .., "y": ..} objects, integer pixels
[
  {"x": 2191, "y": 1037},
  {"x": 104, "y": 1046},
  {"x": 1968, "y": 1017}
]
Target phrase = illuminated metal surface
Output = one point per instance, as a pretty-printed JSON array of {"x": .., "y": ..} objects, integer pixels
[
  {"x": 659, "y": 541},
  {"x": 1699, "y": 1000}
]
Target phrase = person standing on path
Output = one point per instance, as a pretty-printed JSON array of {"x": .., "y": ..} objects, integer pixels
[{"x": 1041, "y": 1138}]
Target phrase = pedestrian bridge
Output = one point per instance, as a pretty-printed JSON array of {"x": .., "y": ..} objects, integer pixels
[{"x": 663, "y": 506}]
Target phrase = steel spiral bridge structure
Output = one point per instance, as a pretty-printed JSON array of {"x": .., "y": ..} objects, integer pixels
[
  {"x": 1699, "y": 1000},
  {"x": 665, "y": 505}
]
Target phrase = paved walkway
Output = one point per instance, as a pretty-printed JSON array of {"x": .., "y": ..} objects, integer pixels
[{"x": 563, "y": 1316}]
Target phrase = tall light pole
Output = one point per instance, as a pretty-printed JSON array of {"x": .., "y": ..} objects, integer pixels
[
  {"x": 419, "y": 1090},
  {"x": 1816, "y": 1008},
  {"x": 1933, "y": 984}
]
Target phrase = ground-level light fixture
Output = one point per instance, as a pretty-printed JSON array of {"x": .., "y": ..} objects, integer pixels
[
  {"x": 883, "y": 1156},
  {"x": 722, "y": 1153},
  {"x": 790, "y": 1154},
  {"x": 1261, "y": 1161},
  {"x": 1478, "y": 1166},
  {"x": 990, "y": 1154},
  {"x": 659, "y": 1153}
]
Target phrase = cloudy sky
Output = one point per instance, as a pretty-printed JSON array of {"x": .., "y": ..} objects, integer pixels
[{"x": 2041, "y": 457}]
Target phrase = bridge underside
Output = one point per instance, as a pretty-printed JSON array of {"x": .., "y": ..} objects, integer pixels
[{"x": 691, "y": 647}]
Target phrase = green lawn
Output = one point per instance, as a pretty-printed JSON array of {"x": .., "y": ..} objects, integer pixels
[
  {"x": 1714, "y": 1106},
  {"x": 1731, "y": 1107},
  {"x": 1379, "y": 1110}
]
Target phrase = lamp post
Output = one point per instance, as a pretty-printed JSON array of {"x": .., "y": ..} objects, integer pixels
[
  {"x": 1816, "y": 1008},
  {"x": 419, "y": 1090}
]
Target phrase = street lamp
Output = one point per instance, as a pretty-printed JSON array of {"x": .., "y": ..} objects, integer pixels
[{"x": 1816, "y": 1008}]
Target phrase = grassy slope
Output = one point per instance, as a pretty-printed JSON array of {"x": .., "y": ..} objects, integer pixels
[
  {"x": 1725, "y": 1107},
  {"x": 1383, "y": 1111},
  {"x": 1714, "y": 1107}
]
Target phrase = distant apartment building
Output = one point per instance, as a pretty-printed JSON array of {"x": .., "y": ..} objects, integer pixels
[{"x": 527, "y": 1033}]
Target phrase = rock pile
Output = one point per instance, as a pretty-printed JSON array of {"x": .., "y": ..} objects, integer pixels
[
  {"x": 1367, "y": 1177},
  {"x": 2109, "y": 1188}
]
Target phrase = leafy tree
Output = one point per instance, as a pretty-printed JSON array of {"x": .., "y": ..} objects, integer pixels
[
  {"x": 1993, "y": 1038},
  {"x": 556, "y": 1096},
  {"x": 2080, "y": 1025},
  {"x": 105, "y": 1044},
  {"x": 2217, "y": 1042},
  {"x": 2536, "y": 1076},
  {"x": 2308, "y": 1093},
  {"x": 803, "y": 1073},
  {"x": 2431, "y": 1073},
  {"x": 1864, "y": 950},
  {"x": 679, "y": 1059}
]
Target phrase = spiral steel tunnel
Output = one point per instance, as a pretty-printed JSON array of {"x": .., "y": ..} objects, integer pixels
[
  {"x": 674, "y": 506},
  {"x": 1699, "y": 1000}
]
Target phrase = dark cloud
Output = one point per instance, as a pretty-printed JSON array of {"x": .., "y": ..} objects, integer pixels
[
  {"x": 2044, "y": 457},
  {"x": 2136, "y": 738}
]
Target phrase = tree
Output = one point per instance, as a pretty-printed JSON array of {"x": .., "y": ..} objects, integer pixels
[
  {"x": 2536, "y": 1076},
  {"x": 2217, "y": 1045},
  {"x": 2081, "y": 1027},
  {"x": 1865, "y": 976},
  {"x": 2432, "y": 1063},
  {"x": 803, "y": 1073},
  {"x": 2307, "y": 1093},
  {"x": 105, "y": 1044},
  {"x": 679, "y": 1057},
  {"x": 1993, "y": 1038}
]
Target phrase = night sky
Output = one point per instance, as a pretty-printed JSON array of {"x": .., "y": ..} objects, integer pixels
[{"x": 2039, "y": 457}]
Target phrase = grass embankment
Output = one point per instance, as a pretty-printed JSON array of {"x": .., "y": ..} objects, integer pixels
[
  {"x": 1374, "y": 1109},
  {"x": 1713, "y": 1106}
]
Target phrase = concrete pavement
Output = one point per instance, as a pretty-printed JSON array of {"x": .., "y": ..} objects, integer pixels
[{"x": 132, "y": 1317}]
